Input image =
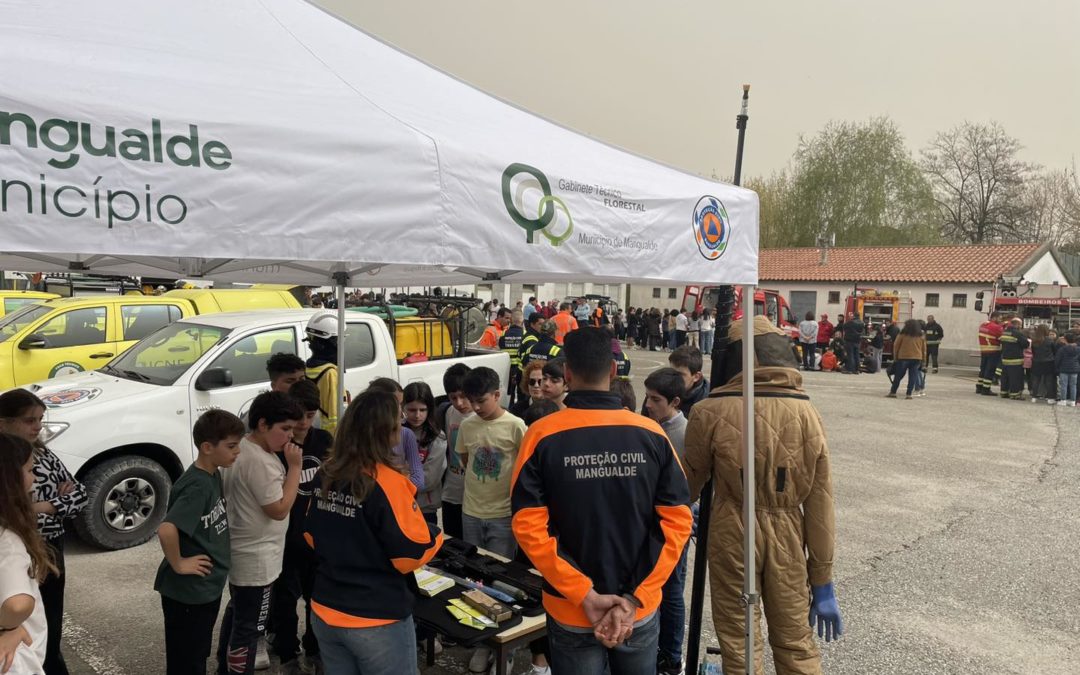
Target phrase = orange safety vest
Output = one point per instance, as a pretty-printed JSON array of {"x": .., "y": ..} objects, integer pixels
[
  {"x": 490, "y": 338},
  {"x": 564, "y": 323}
]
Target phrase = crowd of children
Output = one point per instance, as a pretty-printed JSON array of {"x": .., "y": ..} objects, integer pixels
[{"x": 279, "y": 510}]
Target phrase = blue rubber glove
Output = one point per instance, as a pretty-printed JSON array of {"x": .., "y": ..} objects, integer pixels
[{"x": 825, "y": 611}]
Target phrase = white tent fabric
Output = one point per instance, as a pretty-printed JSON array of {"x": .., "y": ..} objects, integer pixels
[{"x": 266, "y": 140}]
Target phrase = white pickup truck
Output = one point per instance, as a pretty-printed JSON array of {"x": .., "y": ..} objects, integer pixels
[{"x": 125, "y": 430}]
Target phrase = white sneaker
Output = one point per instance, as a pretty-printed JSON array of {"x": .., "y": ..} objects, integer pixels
[
  {"x": 1063, "y": 403},
  {"x": 1051, "y": 401},
  {"x": 540, "y": 670},
  {"x": 481, "y": 660},
  {"x": 1071, "y": 404},
  {"x": 262, "y": 656}
]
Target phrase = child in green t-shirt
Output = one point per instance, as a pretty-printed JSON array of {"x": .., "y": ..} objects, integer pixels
[{"x": 195, "y": 540}]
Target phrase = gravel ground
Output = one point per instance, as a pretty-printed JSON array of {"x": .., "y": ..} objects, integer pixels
[{"x": 955, "y": 549}]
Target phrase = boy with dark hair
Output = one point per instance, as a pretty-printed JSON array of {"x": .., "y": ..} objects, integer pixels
[
  {"x": 454, "y": 483},
  {"x": 194, "y": 538},
  {"x": 554, "y": 386},
  {"x": 285, "y": 370},
  {"x": 297, "y": 576},
  {"x": 260, "y": 493},
  {"x": 689, "y": 361},
  {"x": 621, "y": 517},
  {"x": 664, "y": 389},
  {"x": 625, "y": 391},
  {"x": 487, "y": 444}
]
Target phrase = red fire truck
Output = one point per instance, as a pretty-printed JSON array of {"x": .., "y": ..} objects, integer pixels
[
  {"x": 766, "y": 302},
  {"x": 1053, "y": 305}
]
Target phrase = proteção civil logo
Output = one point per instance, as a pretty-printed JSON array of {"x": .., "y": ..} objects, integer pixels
[
  {"x": 712, "y": 227},
  {"x": 517, "y": 180}
]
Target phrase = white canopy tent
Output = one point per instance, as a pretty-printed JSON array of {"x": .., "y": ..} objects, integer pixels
[{"x": 266, "y": 140}]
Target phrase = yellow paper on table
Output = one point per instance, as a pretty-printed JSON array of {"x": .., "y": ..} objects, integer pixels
[
  {"x": 475, "y": 618},
  {"x": 464, "y": 618}
]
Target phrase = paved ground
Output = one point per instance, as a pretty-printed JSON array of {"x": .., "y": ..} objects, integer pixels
[{"x": 956, "y": 546}]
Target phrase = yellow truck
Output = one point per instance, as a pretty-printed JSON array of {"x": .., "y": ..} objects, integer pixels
[{"x": 52, "y": 337}]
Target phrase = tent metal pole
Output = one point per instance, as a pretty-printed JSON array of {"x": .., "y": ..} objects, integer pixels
[
  {"x": 750, "y": 591},
  {"x": 340, "y": 279}
]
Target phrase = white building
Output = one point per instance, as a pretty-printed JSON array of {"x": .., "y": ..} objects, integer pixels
[{"x": 941, "y": 280}]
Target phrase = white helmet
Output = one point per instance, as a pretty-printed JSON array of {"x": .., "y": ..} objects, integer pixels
[{"x": 322, "y": 325}]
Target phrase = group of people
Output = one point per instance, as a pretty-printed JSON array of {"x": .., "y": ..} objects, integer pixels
[
  {"x": 282, "y": 507},
  {"x": 667, "y": 330},
  {"x": 852, "y": 346},
  {"x": 1037, "y": 358}
]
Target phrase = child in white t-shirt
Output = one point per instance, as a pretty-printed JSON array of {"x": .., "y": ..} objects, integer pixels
[
  {"x": 259, "y": 493},
  {"x": 24, "y": 563}
]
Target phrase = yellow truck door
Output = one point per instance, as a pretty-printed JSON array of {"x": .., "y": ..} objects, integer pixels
[{"x": 68, "y": 342}]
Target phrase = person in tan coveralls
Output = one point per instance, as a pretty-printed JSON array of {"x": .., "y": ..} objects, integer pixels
[{"x": 795, "y": 519}]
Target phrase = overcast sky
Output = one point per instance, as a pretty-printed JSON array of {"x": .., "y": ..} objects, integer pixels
[{"x": 664, "y": 78}]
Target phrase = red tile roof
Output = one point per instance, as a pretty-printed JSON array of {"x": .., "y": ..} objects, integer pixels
[{"x": 935, "y": 264}]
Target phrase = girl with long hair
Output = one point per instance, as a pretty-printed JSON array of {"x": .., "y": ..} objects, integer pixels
[
  {"x": 55, "y": 497},
  {"x": 26, "y": 563},
  {"x": 909, "y": 350},
  {"x": 1043, "y": 380},
  {"x": 369, "y": 535},
  {"x": 418, "y": 404}
]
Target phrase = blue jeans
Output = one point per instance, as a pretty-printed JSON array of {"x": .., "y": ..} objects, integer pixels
[
  {"x": 673, "y": 612},
  {"x": 1067, "y": 386},
  {"x": 383, "y": 650},
  {"x": 493, "y": 534},
  {"x": 580, "y": 654},
  {"x": 707, "y": 341},
  {"x": 909, "y": 367}
]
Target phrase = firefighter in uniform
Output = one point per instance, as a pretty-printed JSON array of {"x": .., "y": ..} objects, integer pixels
[
  {"x": 796, "y": 535},
  {"x": 544, "y": 349},
  {"x": 322, "y": 337},
  {"x": 1013, "y": 344},
  {"x": 532, "y": 335},
  {"x": 510, "y": 342},
  {"x": 934, "y": 335},
  {"x": 990, "y": 353}
]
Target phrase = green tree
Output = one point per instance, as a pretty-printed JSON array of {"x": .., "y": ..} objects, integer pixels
[{"x": 858, "y": 180}]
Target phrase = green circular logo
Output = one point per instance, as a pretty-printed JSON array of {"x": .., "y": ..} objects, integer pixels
[
  {"x": 66, "y": 368},
  {"x": 547, "y": 208}
]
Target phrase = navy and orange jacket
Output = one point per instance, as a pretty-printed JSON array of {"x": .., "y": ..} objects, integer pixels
[
  {"x": 600, "y": 502},
  {"x": 990, "y": 337},
  {"x": 367, "y": 550}
]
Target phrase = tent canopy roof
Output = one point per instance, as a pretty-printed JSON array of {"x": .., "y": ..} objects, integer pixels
[{"x": 266, "y": 140}]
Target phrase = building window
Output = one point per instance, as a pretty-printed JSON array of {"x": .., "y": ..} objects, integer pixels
[
  {"x": 656, "y": 292},
  {"x": 959, "y": 300},
  {"x": 671, "y": 294},
  {"x": 932, "y": 299},
  {"x": 834, "y": 297}
]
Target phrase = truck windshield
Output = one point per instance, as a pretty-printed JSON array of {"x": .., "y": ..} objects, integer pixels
[
  {"x": 163, "y": 356},
  {"x": 13, "y": 323}
]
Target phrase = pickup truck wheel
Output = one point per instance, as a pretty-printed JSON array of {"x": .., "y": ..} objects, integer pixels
[{"x": 127, "y": 499}]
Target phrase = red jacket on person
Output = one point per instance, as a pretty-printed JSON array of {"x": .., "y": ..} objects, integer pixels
[
  {"x": 990, "y": 337},
  {"x": 824, "y": 332}
]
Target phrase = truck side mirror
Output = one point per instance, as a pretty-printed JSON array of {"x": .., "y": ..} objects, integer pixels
[
  {"x": 33, "y": 341},
  {"x": 978, "y": 305},
  {"x": 214, "y": 378}
]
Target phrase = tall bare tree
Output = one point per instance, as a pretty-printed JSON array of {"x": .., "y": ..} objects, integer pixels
[
  {"x": 978, "y": 183},
  {"x": 1052, "y": 209}
]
